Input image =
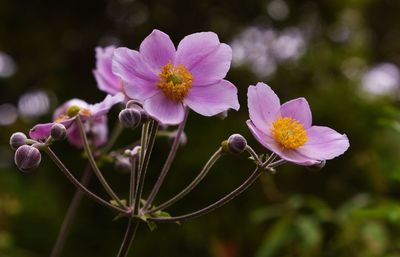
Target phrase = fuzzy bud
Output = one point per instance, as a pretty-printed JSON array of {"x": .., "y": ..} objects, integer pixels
[
  {"x": 27, "y": 157},
  {"x": 58, "y": 131},
  {"x": 235, "y": 144},
  {"x": 130, "y": 118},
  {"x": 123, "y": 164},
  {"x": 17, "y": 139},
  {"x": 144, "y": 115}
]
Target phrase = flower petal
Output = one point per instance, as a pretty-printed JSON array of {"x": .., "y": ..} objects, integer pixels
[
  {"x": 205, "y": 57},
  {"x": 287, "y": 154},
  {"x": 324, "y": 143},
  {"x": 164, "y": 110},
  {"x": 104, "y": 106},
  {"x": 298, "y": 109},
  {"x": 129, "y": 65},
  {"x": 263, "y": 106},
  {"x": 107, "y": 81},
  {"x": 140, "y": 89},
  {"x": 213, "y": 99},
  {"x": 157, "y": 50},
  {"x": 42, "y": 131}
]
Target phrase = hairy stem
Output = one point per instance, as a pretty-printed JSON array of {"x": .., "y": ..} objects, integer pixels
[
  {"x": 167, "y": 163},
  {"x": 93, "y": 163},
  {"x": 70, "y": 215}
]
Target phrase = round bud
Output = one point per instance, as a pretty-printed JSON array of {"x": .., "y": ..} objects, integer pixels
[
  {"x": 235, "y": 144},
  {"x": 123, "y": 164},
  {"x": 58, "y": 131},
  {"x": 144, "y": 115},
  {"x": 130, "y": 118},
  {"x": 17, "y": 139},
  {"x": 133, "y": 104},
  {"x": 27, "y": 157}
]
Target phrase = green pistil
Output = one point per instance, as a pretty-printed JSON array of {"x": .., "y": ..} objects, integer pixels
[
  {"x": 175, "y": 79},
  {"x": 73, "y": 110}
]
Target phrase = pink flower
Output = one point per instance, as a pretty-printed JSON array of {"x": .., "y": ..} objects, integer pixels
[
  {"x": 107, "y": 81},
  {"x": 93, "y": 116},
  {"x": 167, "y": 80},
  {"x": 286, "y": 129}
]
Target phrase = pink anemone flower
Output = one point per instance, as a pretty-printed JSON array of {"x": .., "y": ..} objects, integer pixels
[
  {"x": 287, "y": 131},
  {"x": 166, "y": 80},
  {"x": 106, "y": 80},
  {"x": 93, "y": 117}
]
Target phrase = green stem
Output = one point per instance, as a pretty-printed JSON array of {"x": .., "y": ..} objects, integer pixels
[
  {"x": 74, "y": 181},
  {"x": 93, "y": 163},
  {"x": 128, "y": 238},
  {"x": 210, "y": 163},
  {"x": 167, "y": 163}
]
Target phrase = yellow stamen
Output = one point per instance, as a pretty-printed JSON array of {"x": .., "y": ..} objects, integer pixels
[
  {"x": 175, "y": 81},
  {"x": 289, "y": 132}
]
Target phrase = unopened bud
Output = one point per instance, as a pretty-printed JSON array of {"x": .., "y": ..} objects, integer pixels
[
  {"x": 17, "y": 139},
  {"x": 145, "y": 116},
  {"x": 27, "y": 157},
  {"x": 235, "y": 144},
  {"x": 130, "y": 118},
  {"x": 123, "y": 164},
  {"x": 133, "y": 104},
  {"x": 58, "y": 131}
]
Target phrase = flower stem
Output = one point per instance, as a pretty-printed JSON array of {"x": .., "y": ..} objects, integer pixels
[
  {"x": 93, "y": 163},
  {"x": 128, "y": 238},
  {"x": 210, "y": 163},
  {"x": 76, "y": 183},
  {"x": 143, "y": 169},
  {"x": 113, "y": 138},
  {"x": 167, "y": 163},
  {"x": 132, "y": 185},
  {"x": 70, "y": 215},
  {"x": 253, "y": 154},
  {"x": 227, "y": 198}
]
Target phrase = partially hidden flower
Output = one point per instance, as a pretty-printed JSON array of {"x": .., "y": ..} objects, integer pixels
[
  {"x": 93, "y": 117},
  {"x": 166, "y": 80},
  {"x": 287, "y": 129},
  {"x": 106, "y": 80}
]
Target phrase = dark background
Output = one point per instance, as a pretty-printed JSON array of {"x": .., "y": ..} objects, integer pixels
[{"x": 342, "y": 55}]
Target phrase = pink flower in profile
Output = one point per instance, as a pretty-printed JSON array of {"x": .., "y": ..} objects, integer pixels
[
  {"x": 93, "y": 116},
  {"x": 107, "y": 81},
  {"x": 286, "y": 129},
  {"x": 166, "y": 80}
]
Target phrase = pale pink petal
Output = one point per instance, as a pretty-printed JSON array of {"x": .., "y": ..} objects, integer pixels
[
  {"x": 140, "y": 89},
  {"x": 205, "y": 57},
  {"x": 264, "y": 106},
  {"x": 157, "y": 50},
  {"x": 324, "y": 143},
  {"x": 42, "y": 131},
  {"x": 164, "y": 110},
  {"x": 268, "y": 142},
  {"x": 129, "y": 65},
  {"x": 213, "y": 99},
  {"x": 107, "y": 81},
  {"x": 104, "y": 106},
  {"x": 298, "y": 109}
]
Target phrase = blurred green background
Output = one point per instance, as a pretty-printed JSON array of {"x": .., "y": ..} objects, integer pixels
[{"x": 342, "y": 55}]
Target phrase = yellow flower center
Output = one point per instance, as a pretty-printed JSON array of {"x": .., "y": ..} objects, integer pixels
[
  {"x": 289, "y": 132},
  {"x": 72, "y": 111},
  {"x": 175, "y": 81}
]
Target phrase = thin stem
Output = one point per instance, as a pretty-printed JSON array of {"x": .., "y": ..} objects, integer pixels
[
  {"x": 93, "y": 163},
  {"x": 70, "y": 215},
  {"x": 210, "y": 163},
  {"x": 253, "y": 154},
  {"x": 277, "y": 163},
  {"x": 147, "y": 153},
  {"x": 132, "y": 186},
  {"x": 113, "y": 138},
  {"x": 128, "y": 238},
  {"x": 167, "y": 163},
  {"x": 76, "y": 183},
  {"x": 227, "y": 198}
]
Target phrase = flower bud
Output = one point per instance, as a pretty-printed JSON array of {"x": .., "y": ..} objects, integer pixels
[
  {"x": 133, "y": 104},
  {"x": 144, "y": 115},
  {"x": 17, "y": 139},
  {"x": 123, "y": 164},
  {"x": 130, "y": 118},
  {"x": 27, "y": 157},
  {"x": 58, "y": 131},
  {"x": 235, "y": 144}
]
